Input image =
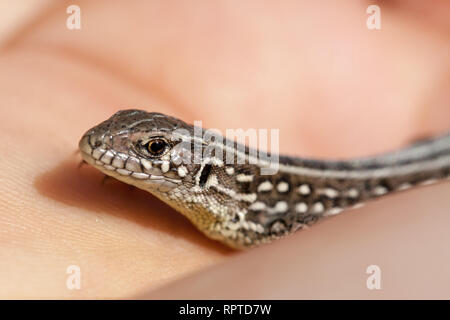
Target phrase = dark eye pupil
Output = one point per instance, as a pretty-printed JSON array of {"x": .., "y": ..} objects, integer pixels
[{"x": 156, "y": 146}]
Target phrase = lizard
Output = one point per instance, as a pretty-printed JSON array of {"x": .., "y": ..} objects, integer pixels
[{"x": 234, "y": 201}]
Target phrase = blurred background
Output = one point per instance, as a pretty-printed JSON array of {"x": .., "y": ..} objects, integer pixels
[{"x": 16, "y": 14}]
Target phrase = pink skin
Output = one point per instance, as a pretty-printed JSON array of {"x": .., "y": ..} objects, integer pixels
[{"x": 333, "y": 87}]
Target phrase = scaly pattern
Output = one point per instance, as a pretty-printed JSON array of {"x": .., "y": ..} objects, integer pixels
[{"x": 232, "y": 201}]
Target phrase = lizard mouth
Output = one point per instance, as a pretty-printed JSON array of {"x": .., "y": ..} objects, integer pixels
[{"x": 122, "y": 166}]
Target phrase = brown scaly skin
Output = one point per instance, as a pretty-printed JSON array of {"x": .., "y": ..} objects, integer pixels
[{"x": 235, "y": 202}]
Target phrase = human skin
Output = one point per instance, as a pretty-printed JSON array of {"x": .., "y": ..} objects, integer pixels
[{"x": 334, "y": 89}]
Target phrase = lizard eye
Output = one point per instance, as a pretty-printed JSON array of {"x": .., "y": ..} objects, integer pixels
[{"x": 156, "y": 147}]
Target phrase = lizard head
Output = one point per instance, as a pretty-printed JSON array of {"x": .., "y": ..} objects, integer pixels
[
  {"x": 140, "y": 148},
  {"x": 165, "y": 156}
]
